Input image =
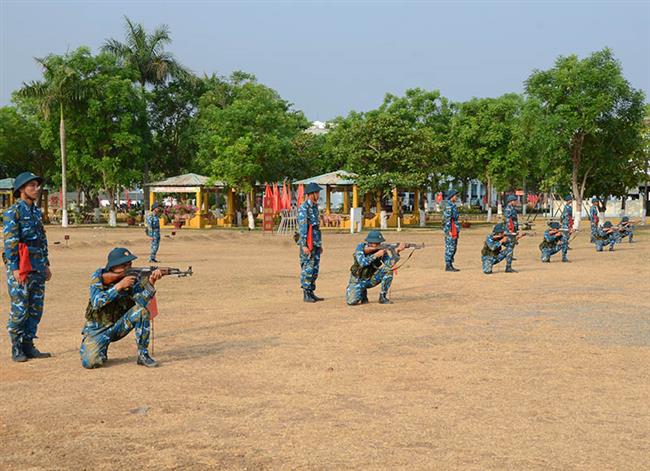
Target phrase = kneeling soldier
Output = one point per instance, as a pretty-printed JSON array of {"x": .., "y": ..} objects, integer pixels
[
  {"x": 497, "y": 248},
  {"x": 372, "y": 266},
  {"x": 606, "y": 235},
  {"x": 553, "y": 241},
  {"x": 117, "y": 305},
  {"x": 626, "y": 228}
]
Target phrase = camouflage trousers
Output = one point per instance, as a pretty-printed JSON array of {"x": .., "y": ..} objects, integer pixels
[
  {"x": 623, "y": 234},
  {"x": 611, "y": 241},
  {"x": 489, "y": 261},
  {"x": 155, "y": 244},
  {"x": 547, "y": 253},
  {"x": 309, "y": 266},
  {"x": 565, "y": 244},
  {"x": 97, "y": 338},
  {"x": 26, "y": 304},
  {"x": 357, "y": 289},
  {"x": 594, "y": 233},
  {"x": 450, "y": 249}
]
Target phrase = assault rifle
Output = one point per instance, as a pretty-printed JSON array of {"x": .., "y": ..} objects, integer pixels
[
  {"x": 392, "y": 247},
  {"x": 144, "y": 272}
]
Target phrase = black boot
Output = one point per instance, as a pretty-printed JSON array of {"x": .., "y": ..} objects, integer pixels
[
  {"x": 510, "y": 270},
  {"x": 307, "y": 296},
  {"x": 364, "y": 298},
  {"x": 313, "y": 295},
  {"x": 32, "y": 352},
  {"x": 17, "y": 353},
  {"x": 145, "y": 360},
  {"x": 450, "y": 267},
  {"x": 384, "y": 300}
]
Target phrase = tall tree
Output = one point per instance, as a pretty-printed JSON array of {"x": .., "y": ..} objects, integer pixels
[
  {"x": 62, "y": 88},
  {"x": 591, "y": 120}
]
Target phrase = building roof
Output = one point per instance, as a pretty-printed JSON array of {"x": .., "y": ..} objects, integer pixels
[
  {"x": 7, "y": 184},
  {"x": 340, "y": 177},
  {"x": 188, "y": 179}
]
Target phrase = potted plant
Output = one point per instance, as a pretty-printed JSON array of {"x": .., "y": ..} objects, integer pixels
[{"x": 132, "y": 214}]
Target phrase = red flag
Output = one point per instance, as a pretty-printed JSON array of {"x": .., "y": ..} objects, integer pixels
[
  {"x": 268, "y": 194},
  {"x": 301, "y": 194},
  {"x": 128, "y": 200},
  {"x": 276, "y": 198},
  {"x": 286, "y": 197},
  {"x": 454, "y": 230},
  {"x": 439, "y": 197},
  {"x": 153, "y": 308}
]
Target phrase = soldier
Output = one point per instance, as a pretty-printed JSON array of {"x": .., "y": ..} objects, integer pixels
[
  {"x": 372, "y": 266},
  {"x": 606, "y": 235},
  {"x": 152, "y": 228},
  {"x": 28, "y": 266},
  {"x": 566, "y": 221},
  {"x": 552, "y": 242},
  {"x": 451, "y": 229},
  {"x": 626, "y": 229},
  {"x": 497, "y": 247},
  {"x": 511, "y": 222},
  {"x": 310, "y": 242},
  {"x": 594, "y": 217},
  {"x": 117, "y": 305}
]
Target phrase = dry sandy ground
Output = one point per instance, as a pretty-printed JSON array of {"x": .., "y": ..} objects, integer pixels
[{"x": 544, "y": 369}]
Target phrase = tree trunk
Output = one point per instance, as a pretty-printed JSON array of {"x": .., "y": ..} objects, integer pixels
[
  {"x": 112, "y": 217},
  {"x": 249, "y": 210},
  {"x": 576, "y": 155},
  {"x": 488, "y": 198},
  {"x": 524, "y": 202},
  {"x": 64, "y": 189}
]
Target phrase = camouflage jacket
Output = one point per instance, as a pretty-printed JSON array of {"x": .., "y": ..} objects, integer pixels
[{"x": 24, "y": 223}]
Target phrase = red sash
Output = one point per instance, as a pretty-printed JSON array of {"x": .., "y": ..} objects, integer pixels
[
  {"x": 153, "y": 308},
  {"x": 310, "y": 238},
  {"x": 511, "y": 225},
  {"x": 454, "y": 230},
  {"x": 24, "y": 264}
]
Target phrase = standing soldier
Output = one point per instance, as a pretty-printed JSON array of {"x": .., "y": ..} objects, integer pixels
[
  {"x": 552, "y": 242},
  {"x": 310, "y": 242},
  {"x": 567, "y": 225},
  {"x": 497, "y": 247},
  {"x": 511, "y": 221},
  {"x": 372, "y": 266},
  {"x": 28, "y": 267},
  {"x": 152, "y": 228},
  {"x": 451, "y": 229},
  {"x": 594, "y": 217}
]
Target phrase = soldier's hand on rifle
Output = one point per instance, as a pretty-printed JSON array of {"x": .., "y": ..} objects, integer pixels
[
  {"x": 125, "y": 283},
  {"x": 380, "y": 253},
  {"x": 155, "y": 276},
  {"x": 306, "y": 250}
]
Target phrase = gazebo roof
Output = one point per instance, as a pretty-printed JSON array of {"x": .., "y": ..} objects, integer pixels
[
  {"x": 338, "y": 178},
  {"x": 7, "y": 184},
  {"x": 188, "y": 179}
]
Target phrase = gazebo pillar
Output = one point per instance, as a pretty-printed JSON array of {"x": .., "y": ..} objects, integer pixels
[
  {"x": 328, "y": 208},
  {"x": 199, "y": 202},
  {"x": 206, "y": 202},
  {"x": 355, "y": 196},
  {"x": 346, "y": 201},
  {"x": 152, "y": 197},
  {"x": 230, "y": 203}
]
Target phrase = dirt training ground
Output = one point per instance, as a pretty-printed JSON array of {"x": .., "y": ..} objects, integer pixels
[{"x": 544, "y": 369}]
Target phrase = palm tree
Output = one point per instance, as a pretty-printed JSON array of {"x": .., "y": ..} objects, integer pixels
[
  {"x": 62, "y": 88},
  {"x": 145, "y": 54}
]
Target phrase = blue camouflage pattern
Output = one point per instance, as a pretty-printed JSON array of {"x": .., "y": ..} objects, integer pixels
[
  {"x": 511, "y": 221},
  {"x": 23, "y": 223},
  {"x": 551, "y": 247},
  {"x": 153, "y": 231},
  {"x": 358, "y": 287},
  {"x": 594, "y": 219},
  {"x": 603, "y": 238},
  {"x": 103, "y": 327},
  {"x": 449, "y": 214},
  {"x": 626, "y": 230},
  {"x": 309, "y": 264},
  {"x": 503, "y": 252},
  {"x": 565, "y": 222}
]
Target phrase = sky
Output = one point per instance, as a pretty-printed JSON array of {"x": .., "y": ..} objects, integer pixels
[{"x": 329, "y": 58}]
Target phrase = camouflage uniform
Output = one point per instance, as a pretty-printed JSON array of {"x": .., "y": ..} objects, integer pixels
[
  {"x": 626, "y": 230},
  {"x": 23, "y": 224},
  {"x": 153, "y": 231},
  {"x": 549, "y": 245},
  {"x": 566, "y": 222},
  {"x": 511, "y": 223},
  {"x": 369, "y": 271},
  {"x": 594, "y": 219},
  {"x": 309, "y": 264},
  {"x": 449, "y": 217},
  {"x": 494, "y": 252},
  {"x": 603, "y": 238},
  {"x": 111, "y": 315}
]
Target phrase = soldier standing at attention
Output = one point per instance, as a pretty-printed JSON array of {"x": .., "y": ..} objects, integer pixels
[
  {"x": 28, "y": 267},
  {"x": 451, "y": 229},
  {"x": 310, "y": 242},
  {"x": 594, "y": 217},
  {"x": 152, "y": 225},
  {"x": 567, "y": 225},
  {"x": 511, "y": 221},
  {"x": 372, "y": 266},
  {"x": 552, "y": 242},
  {"x": 117, "y": 305},
  {"x": 497, "y": 248}
]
